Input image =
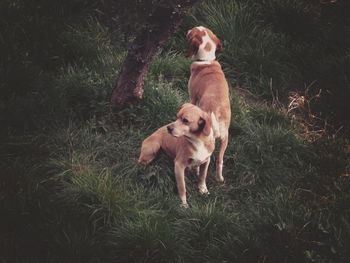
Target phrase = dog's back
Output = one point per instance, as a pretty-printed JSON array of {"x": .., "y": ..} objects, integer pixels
[{"x": 209, "y": 90}]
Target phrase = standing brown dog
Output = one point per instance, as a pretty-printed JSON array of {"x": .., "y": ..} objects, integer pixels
[
  {"x": 189, "y": 140},
  {"x": 208, "y": 88}
]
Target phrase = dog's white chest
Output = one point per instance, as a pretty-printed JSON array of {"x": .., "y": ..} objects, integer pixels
[{"x": 200, "y": 154}]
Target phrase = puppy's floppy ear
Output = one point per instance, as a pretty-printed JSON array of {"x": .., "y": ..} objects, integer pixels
[{"x": 204, "y": 124}]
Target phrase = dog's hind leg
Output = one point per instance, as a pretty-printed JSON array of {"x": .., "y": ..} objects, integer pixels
[
  {"x": 150, "y": 148},
  {"x": 220, "y": 159}
]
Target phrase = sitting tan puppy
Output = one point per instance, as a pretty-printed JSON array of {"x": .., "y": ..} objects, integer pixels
[
  {"x": 189, "y": 140},
  {"x": 208, "y": 88}
]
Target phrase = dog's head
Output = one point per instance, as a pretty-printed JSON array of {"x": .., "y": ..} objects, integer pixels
[
  {"x": 203, "y": 44},
  {"x": 191, "y": 122}
]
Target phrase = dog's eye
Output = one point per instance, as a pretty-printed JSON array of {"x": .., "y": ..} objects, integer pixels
[{"x": 184, "y": 120}]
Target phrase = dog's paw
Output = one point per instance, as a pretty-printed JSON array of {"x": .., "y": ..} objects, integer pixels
[
  {"x": 219, "y": 179},
  {"x": 184, "y": 205},
  {"x": 203, "y": 189}
]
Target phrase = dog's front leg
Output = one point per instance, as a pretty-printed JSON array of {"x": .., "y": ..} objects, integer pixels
[
  {"x": 180, "y": 181},
  {"x": 203, "y": 171}
]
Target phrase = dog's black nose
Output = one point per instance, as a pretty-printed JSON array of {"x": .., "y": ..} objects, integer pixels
[{"x": 170, "y": 129}]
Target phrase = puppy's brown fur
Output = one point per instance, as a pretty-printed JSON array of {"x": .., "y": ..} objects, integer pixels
[
  {"x": 189, "y": 141},
  {"x": 208, "y": 88}
]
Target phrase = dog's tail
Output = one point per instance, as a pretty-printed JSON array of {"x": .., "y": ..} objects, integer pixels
[{"x": 215, "y": 125}]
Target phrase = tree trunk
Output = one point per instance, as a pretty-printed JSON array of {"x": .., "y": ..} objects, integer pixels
[{"x": 163, "y": 23}]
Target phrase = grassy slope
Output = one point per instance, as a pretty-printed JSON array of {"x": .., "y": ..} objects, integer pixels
[{"x": 72, "y": 192}]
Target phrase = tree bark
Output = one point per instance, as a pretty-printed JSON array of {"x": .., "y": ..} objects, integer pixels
[{"x": 163, "y": 23}]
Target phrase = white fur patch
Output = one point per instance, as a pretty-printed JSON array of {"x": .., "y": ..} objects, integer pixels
[
  {"x": 200, "y": 154},
  {"x": 202, "y": 62},
  {"x": 203, "y": 54}
]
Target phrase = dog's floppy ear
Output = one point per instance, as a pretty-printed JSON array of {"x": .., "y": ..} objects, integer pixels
[
  {"x": 204, "y": 124},
  {"x": 194, "y": 44},
  {"x": 216, "y": 40},
  {"x": 194, "y": 37},
  {"x": 218, "y": 46}
]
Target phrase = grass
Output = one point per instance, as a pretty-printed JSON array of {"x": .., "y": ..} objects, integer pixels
[
  {"x": 265, "y": 52},
  {"x": 71, "y": 190},
  {"x": 252, "y": 53}
]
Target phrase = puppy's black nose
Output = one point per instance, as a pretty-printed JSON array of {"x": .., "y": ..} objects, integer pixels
[{"x": 170, "y": 129}]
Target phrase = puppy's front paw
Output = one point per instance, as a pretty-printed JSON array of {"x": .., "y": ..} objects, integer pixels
[
  {"x": 203, "y": 189},
  {"x": 184, "y": 205}
]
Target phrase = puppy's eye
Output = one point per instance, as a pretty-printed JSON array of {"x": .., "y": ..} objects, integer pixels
[{"x": 184, "y": 120}]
